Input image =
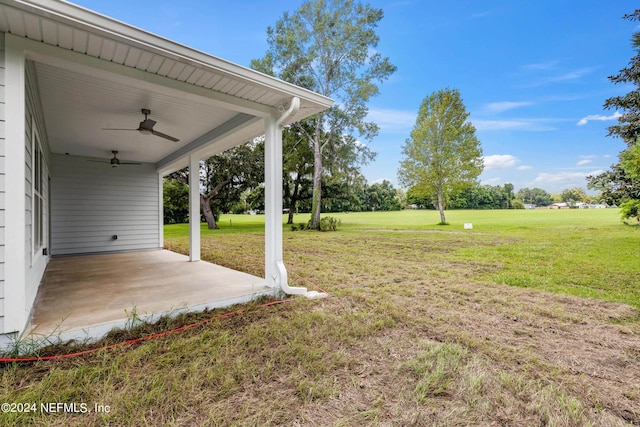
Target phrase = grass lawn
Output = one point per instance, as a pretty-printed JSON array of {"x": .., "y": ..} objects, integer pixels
[{"x": 529, "y": 318}]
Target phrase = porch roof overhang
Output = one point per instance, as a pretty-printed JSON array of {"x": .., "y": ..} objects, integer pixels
[{"x": 95, "y": 72}]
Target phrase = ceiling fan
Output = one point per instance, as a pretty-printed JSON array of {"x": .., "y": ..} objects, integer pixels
[
  {"x": 146, "y": 127},
  {"x": 115, "y": 161}
]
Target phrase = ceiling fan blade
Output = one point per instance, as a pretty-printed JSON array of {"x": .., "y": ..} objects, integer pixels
[
  {"x": 117, "y": 129},
  {"x": 131, "y": 163},
  {"x": 164, "y": 135},
  {"x": 98, "y": 161}
]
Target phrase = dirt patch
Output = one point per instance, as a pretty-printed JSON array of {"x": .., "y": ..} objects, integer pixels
[{"x": 537, "y": 332}]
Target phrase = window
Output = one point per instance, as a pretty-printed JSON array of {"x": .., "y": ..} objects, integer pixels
[{"x": 37, "y": 228}]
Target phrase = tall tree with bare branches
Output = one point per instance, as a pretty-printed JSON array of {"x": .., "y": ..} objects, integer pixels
[{"x": 329, "y": 46}]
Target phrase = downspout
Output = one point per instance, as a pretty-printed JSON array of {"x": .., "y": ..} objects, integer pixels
[{"x": 281, "y": 269}]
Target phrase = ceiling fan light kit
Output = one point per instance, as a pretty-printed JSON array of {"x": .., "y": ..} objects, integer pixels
[{"x": 115, "y": 161}]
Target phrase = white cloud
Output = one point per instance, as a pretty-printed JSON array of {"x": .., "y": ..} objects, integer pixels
[
  {"x": 606, "y": 156},
  {"x": 524, "y": 167},
  {"x": 571, "y": 75},
  {"x": 516, "y": 124},
  {"x": 381, "y": 180},
  {"x": 499, "y": 107},
  {"x": 491, "y": 181},
  {"x": 393, "y": 120},
  {"x": 565, "y": 178},
  {"x": 583, "y": 121},
  {"x": 584, "y": 162},
  {"x": 542, "y": 66},
  {"x": 499, "y": 161}
]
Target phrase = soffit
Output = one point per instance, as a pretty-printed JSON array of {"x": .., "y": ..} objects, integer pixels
[
  {"x": 78, "y": 103},
  {"x": 71, "y": 27}
]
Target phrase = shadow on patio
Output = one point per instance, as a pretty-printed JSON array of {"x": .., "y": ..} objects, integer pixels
[{"x": 86, "y": 296}]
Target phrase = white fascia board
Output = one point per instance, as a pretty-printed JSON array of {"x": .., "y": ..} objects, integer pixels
[{"x": 95, "y": 23}]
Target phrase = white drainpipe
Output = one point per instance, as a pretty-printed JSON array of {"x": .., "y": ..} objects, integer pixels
[{"x": 282, "y": 271}]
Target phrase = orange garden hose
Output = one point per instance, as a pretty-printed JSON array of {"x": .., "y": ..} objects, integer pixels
[{"x": 132, "y": 341}]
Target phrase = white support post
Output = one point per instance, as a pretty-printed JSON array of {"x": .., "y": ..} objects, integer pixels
[
  {"x": 194, "y": 208},
  {"x": 15, "y": 310},
  {"x": 160, "y": 211},
  {"x": 275, "y": 271},
  {"x": 272, "y": 200}
]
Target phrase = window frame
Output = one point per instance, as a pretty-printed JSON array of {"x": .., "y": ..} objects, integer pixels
[{"x": 38, "y": 174}]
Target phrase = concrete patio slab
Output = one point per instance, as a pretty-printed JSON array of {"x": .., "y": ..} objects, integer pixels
[{"x": 83, "y": 297}]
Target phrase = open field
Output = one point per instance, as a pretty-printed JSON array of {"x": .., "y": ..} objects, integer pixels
[{"x": 531, "y": 318}]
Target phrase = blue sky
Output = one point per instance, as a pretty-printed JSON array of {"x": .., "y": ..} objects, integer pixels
[{"x": 532, "y": 73}]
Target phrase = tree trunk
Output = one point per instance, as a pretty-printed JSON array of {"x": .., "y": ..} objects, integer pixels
[
  {"x": 317, "y": 184},
  {"x": 441, "y": 207},
  {"x": 208, "y": 213},
  {"x": 294, "y": 201}
]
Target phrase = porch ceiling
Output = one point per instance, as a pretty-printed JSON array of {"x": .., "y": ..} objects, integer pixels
[
  {"x": 78, "y": 106},
  {"x": 95, "y": 72}
]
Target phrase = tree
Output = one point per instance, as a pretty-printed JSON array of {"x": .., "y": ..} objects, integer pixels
[
  {"x": 442, "y": 153},
  {"x": 328, "y": 46},
  {"x": 630, "y": 161},
  {"x": 621, "y": 184},
  {"x": 573, "y": 195},
  {"x": 535, "y": 196},
  {"x": 630, "y": 209},
  {"x": 417, "y": 196},
  {"x": 517, "y": 204},
  {"x": 615, "y": 186},
  {"x": 483, "y": 197},
  {"x": 508, "y": 188},
  {"x": 628, "y": 127},
  {"x": 175, "y": 201},
  {"x": 298, "y": 167},
  {"x": 225, "y": 176},
  {"x": 474, "y": 197},
  {"x": 341, "y": 179},
  {"x": 382, "y": 197}
]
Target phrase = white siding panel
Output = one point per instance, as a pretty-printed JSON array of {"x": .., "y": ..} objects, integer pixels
[
  {"x": 2, "y": 172},
  {"x": 93, "y": 202}
]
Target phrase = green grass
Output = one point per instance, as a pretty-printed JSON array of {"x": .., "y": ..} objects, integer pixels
[
  {"x": 425, "y": 325},
  {"x": 587, "y": 253}
]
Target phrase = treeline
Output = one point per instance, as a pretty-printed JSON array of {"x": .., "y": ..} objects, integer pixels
[
  {"x": 500, "y": 197},
  {"x": 233, "y": 182},
  {"x": 338, "y": 197}
]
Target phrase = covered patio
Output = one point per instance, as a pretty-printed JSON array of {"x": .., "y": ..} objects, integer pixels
[
  {"x": 97, "y": 113},
  {"x": 86, "y": 296}
]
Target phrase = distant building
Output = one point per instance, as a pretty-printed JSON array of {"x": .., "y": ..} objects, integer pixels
[{"x": 591, "y": 206}]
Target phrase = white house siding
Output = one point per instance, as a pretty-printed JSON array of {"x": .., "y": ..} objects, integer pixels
[
  {"x": 35, "y": 260},
  {"x": 2, "y": 199},
  {"x": 92, "y": 202}
]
